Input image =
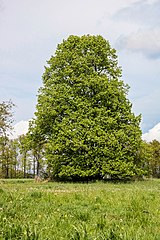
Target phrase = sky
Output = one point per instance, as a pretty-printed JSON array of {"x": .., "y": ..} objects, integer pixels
[{"x": 31, "y": 29}]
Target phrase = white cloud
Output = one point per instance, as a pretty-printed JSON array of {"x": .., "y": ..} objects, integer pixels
[
  {"x": 145, "y": 41},
  {"x": 152, "y": 134},
  {"x": 143, "y": 12},
  {"x": 19, "y": 128},
  {"x": 144, "y": 37},
  {"x": 29, "y": 22}
]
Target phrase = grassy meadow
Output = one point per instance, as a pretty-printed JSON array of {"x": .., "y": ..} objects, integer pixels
[{"x": 94, "y": 211}]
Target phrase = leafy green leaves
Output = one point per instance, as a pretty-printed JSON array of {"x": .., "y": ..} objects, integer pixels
[{"x": 83, "y": 114}]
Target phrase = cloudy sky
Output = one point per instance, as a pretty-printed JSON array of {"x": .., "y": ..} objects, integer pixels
[{"x": 31, "y": 29}]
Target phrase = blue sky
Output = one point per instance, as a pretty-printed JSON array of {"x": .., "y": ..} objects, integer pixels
[{"x": 31, "y": 29}]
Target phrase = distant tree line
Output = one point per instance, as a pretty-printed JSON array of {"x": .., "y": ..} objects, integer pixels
[{"x": 17, "y": 157}]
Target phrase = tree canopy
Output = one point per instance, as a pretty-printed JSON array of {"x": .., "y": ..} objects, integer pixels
[
  {"x": 5, "y": 117},
  {"x": 83, "y": 115}
]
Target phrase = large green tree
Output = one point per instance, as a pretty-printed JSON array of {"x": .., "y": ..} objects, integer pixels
[{"x": 83, "y": 115}]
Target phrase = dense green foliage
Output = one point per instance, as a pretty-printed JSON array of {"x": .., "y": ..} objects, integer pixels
[
  {"x": 79, "y": 211},
  {"x": 83, "y": 115},
  {"x": 154, "y": 163}
]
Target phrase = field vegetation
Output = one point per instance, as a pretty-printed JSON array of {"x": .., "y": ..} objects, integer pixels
[{"x": 95, "y": 211}]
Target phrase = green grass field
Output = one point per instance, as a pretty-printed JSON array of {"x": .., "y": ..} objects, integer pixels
[{"x": 92, "y": 211}]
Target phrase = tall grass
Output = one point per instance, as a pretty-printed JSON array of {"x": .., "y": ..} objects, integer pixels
[{"x": 96, "y": 211}]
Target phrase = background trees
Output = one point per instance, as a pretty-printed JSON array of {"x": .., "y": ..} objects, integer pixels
[
  {"x": 155, "y": 158},
  {"x": 19, "y": 158},
  {"x": 83, "y": 115},
  {"x": 5, "y": 117},
  {"x": 5, "y": 126}
]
